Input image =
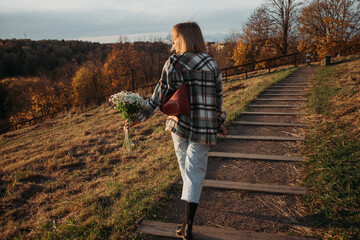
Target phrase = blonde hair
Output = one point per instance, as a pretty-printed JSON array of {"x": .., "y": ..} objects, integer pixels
[{"x": 189, "y": 38}]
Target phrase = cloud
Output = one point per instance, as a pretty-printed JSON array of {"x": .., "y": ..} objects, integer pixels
[{"x": 78, "y": 19}]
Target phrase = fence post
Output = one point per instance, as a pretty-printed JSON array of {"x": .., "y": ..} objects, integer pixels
[
  {"x": 226, "y": 75},
  {"x": 295, "y": 60},
  {"x": 246, "y": 71},
  {"x": 269, "y": 65}
]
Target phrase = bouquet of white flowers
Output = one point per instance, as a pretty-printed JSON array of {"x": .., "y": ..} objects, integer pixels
[{"x": 129, "y": 105}]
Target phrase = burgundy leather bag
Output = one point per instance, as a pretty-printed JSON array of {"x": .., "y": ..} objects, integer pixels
[{"x": 178, "y": 102}]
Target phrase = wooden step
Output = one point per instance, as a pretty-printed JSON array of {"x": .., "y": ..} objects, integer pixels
[
  {"x": 255, "y": 156},
  {"x": 287, "y": 95},
  {"x": 281, "y": 87},
  {"x": 294, "y": 80},
  {"x": 279, "y": 90},
  {"x": 279, "y": 99},
  {"x": 166, "y": 229},
  {"x": 272, "y": 113},
  {"x": 289, "y": 81},
  {"x": 275, "y": 106},
  {"x": 290, "y": 85},
  {"x": 264, "y": 138},
  {"x": 300, "y": 79},
  {"x": 270, "y": 124},
  {"x": 254, "y": 187}
]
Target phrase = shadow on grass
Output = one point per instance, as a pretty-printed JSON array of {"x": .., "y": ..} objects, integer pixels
[
  {"x": 350, "y": 228},
  {"x": 344, "y": 61}
]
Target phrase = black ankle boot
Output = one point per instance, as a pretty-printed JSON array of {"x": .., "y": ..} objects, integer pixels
[
  {"x": 185, "y": 230},
  {"x": 188, "y": 232}
]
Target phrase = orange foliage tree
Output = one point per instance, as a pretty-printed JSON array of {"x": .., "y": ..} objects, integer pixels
[
  {"x": 89, "y": 85},
  {"x": 28, "y": 98},
  {"x": 122, "y": 66},
  {"x": 270, "y": 31},
  {"x": 151, "y": 58},
  {"x": 223, "y": 53},
  {"x": 330, "y": 27},
  {"x": 254, "y": 43}
]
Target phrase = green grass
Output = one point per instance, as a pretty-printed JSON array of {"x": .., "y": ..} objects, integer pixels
[{"x": 333, "y": 148}]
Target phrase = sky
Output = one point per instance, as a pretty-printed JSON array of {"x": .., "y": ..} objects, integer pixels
[{"x": 105, "y": 21}]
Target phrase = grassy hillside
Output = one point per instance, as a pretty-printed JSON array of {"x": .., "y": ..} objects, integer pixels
[
  {"x": 70, "y": 178},
  {"x": 333, "y": 148}
]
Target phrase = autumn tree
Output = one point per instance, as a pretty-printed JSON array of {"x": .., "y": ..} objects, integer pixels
[
  {"x": 152, "y": 56},
  {"x": 122, "y": 66},
  {"x": 223, "y": 52},
  {"x": 61, "y": 81},
  {"x": 270, "y": 31},
  {"x": 28, "y": 98},
  {"x": 4, "y": 108},
  {"x": 282, "y": 22},
  {"x": 330, "y": 27},
  {"x": 253, "y": 43},
  {"x": 89, "y": 85}
]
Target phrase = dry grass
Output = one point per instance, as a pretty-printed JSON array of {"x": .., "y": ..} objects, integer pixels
[{"x": 70, "y": 178}]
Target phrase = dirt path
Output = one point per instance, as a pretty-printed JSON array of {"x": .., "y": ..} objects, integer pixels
[{"x": 249, "y": 214}]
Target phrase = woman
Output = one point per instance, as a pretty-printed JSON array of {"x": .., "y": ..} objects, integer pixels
[{"x": 195, "y": 132}]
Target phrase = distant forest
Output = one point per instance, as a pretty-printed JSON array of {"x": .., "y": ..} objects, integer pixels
[
  {"x": 38, "y": 78},
  {"x": 25, "y": 57}
]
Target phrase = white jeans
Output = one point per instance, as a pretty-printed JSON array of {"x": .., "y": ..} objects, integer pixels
[{"x": 192, "y": 158}]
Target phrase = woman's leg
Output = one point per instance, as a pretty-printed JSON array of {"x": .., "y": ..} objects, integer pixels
[
  {"x": 195, "y": 170},
  {"x": 192, "y": 158},
  {"x": 180, "y": 146}
]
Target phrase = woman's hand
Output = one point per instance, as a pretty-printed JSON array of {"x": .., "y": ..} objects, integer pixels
[
  {"x": 128, "y": 125},
  {"x": 223, "y": 131}
]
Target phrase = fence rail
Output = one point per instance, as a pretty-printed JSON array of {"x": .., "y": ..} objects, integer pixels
[
  {"x": 260, "y": 65},
  {"x": 227, "y": 72}
]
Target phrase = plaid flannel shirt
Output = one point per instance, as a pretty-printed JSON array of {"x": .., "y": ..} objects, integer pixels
[{"x": 203, "y": 77}]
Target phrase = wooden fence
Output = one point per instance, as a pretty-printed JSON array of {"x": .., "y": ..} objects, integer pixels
[{"x": 259, "y": 65}]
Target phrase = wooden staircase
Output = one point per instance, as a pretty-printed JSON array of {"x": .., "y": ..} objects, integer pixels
[{"x": 277, "y": 111}]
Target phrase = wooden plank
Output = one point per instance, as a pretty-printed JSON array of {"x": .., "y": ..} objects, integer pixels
[
  {"x": 289, "y": 85},
  {"x": 302, "y": 78},
  {"x": 274, "y": 90},
  {"x": 279, "y": 99},
  {"x": 272, "y": 113},
  {"x": 255, "y": 187},
  {"x": 270, "y": 124},
  {"x": 264, "y": 138},
  {"x": 284, "y": 94},
  {"x": 276, "y": 106},
  {"x": 165, "y": 229},
  {"x": 295, "y": 82},
  {"x": 281, "y": 87},
  {"x": 292, "y": 83},
  {"x": 255, "y": 156}
]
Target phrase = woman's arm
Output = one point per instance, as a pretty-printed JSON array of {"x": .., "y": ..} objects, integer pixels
[
  {"x": 221, "y": 113},
  {"x": 154, "y": 103}
]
